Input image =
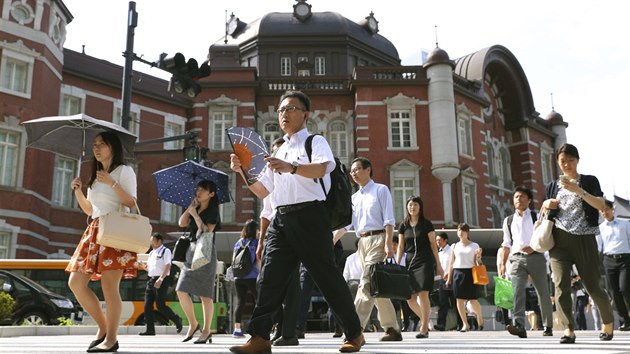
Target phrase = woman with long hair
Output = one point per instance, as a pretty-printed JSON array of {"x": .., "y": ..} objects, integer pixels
[
  {"x": 201, "y": 216},
  {"x": 464, "y": 255},
  {"x": 574, "y": 201},
  {"x": 417, "y": 241},
  {"x": 111, "y": 185},
  {"x": 246, "y": 283}
]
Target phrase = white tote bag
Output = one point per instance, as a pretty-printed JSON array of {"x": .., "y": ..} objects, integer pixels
[
  {"x": 203, "y": 250},
  {"x": 125, "y": 231},
  {"x": 542, "y": 239}
]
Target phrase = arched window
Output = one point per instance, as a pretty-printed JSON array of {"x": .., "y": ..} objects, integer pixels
[{"x": 338, "y": 138}]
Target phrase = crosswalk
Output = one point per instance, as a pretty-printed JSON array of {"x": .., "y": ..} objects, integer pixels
[{"x": 438, "y": 342}]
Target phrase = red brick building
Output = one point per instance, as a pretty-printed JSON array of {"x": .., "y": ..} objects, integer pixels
[{"x": 459, "y": 132}]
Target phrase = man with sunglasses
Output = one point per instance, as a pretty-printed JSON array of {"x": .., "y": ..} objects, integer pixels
[
  {"x": 299, "y": 231},
  {"x": 158, "y": 269}
]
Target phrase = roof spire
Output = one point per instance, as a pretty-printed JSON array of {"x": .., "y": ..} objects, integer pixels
[
  {"x": 436, "y": 40},
  {"x": 552, "y": 107}
]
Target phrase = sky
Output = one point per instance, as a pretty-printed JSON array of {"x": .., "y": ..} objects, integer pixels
[{"x": 574, "y": 53}]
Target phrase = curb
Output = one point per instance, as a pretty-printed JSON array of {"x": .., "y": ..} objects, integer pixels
[{"x": 20, "y": 331}]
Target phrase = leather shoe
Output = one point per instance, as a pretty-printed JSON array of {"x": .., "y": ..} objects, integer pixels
[
  {"x": 299, "y": 334},
  {"x": 284, "y": 342},
  {"x": 255, "y": 345},
  {"x": 567, "y": 339},
  {"x": 439, "y": 328},
  {"x": 277, "y": 335},
  {"x": 178, "y": 325},
  {"x": 352, "y": 346},
  {"x": 96, "y": 342},
  {"x": 517, "y": 330},
  {"x": 337, "y": 335},
  {"x": 147, "y": 333},
  {"x": 422, "y": 335},
  {"x": 114, "y": 348},
  {"x": 605, "y": 336},
  {"x": 391, "y": 335},
  {"x": 625, "y": 326},
  {"x": 548, "y": 332}
]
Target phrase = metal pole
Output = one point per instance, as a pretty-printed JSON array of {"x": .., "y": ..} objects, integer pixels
[{"x": 132, "y": 22}]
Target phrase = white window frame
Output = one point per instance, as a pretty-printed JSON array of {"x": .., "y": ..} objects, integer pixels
[
  {"x": 68, "y": 91},
  {"x": 7, "y": 73},
  {"x": 174, "y": 125},
  {"x": 464, "y": 135},
  {"x": 320, "y": 66},
  {"x": 338, "y": 137},
  {"x": 397, "y": 122},
  {"x": 405, "y": 182},
  {"x": 5, "y": 244},
  {"x": 9, "y": 174},
  {"x": 219, "y": 121},
  {"x": 169, "y": 212},
  {"x": 64, "y": 174},
  {"x": 227, "y": 211},
  {"x": 271, "y": 132},
  {"x": 134, "y": 118},
  {"x": 285, "y": 66},
  {"x": 469, "y": 200},
  {"x": 547, "y": 162}
]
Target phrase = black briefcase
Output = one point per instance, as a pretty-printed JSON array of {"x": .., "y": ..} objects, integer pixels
[{"x": 390, "y": 280}]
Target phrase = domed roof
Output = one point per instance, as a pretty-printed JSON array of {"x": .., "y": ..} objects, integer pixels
[
  {"x": 319, "y": 25},
  {"x": 554, "y": 118},
  {"x": 438, "y": 56}
]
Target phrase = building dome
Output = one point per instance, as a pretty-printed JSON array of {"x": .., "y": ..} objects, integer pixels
[
  {"x": 319, "y": 25},
  {"x": 438, "y": 56},
  {"x": 554, "y": 118}
]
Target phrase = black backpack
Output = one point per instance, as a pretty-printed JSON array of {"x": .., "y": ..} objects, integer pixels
[
  {"x": 339, "y": 198},
  {"x": 242, "y": 263}
]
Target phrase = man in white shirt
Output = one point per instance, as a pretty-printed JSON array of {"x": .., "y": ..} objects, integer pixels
[
  {"x": 373, "y": 222},
  {"x": 517, "y": 233},
  {"x": 158, "y": 269},
  {"x": 615, "y": 235},
  {"x": 300, "y": 230},
  {"x": 445, "y": 294}
]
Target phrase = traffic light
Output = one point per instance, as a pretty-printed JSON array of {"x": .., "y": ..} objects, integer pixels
[{"x": 185, "y": 73}]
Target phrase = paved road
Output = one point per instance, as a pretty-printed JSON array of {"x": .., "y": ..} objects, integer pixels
[{"x": 439, "y": 342}]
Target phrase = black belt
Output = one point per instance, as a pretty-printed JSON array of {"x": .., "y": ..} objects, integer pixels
[
  {"x": 617, "y": 256},
  {"x": 371, "y": 233},
  {"x": 286, "y": 209},
  {"x": 523, "y": 253}
]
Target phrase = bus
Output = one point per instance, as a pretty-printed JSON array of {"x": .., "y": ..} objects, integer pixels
[{"x": 51, "y": 274}]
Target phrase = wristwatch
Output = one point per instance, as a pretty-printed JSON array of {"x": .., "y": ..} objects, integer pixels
[{"x": 295, "y": 165}]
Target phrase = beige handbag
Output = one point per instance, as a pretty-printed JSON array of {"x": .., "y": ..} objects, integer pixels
[
  {"x": 203, "y": 250},
  {"x": 125, "y": 231},
  {"x": 542, "y": 239}
]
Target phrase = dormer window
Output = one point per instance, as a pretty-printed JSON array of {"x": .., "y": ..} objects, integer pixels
[{"x": 303, "y": 67}]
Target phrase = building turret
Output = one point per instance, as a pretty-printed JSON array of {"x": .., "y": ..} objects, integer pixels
[
  {"x": 444, "y": 153},
  {"x": 558, "y": 126}
]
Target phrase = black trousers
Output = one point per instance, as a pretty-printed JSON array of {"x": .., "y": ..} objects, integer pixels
[
  {"x": 618, "y": 274},
  {"x": 447, "y": 301},
  {"x": 157, "y": 296},
  {"x": 243, "y": 286},
  {"x": 287, "y": 316},
  {"x": 301, "y": 236}
]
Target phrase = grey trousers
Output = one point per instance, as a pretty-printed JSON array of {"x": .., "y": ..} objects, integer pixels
[
  {"x": 535, "y": 266},
  {"x": 580, "y": 250}
]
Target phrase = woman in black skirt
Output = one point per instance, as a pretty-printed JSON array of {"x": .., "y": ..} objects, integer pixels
[
  {"x": 417, "y": 241},
  {"x": 464, "y": 255}
]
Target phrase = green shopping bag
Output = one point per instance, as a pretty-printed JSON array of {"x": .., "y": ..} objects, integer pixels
[{"x": 503, "y": 293}]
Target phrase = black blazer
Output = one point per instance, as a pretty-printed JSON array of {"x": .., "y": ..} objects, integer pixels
[{"x": 591, "y": 185}]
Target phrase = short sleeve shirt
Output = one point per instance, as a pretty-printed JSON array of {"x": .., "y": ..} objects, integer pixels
[{"x": 103, "y": 197}]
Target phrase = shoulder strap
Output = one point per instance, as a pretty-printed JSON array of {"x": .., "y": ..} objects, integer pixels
[
  {"x": 509, "y": 226},
  {"x": 309, "y": 150},
  {"x": 534, "y": 216}
]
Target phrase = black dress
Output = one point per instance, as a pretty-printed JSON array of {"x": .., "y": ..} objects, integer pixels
[{"x": 420, "y": 260}]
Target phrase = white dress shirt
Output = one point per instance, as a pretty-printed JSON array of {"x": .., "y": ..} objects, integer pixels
[
  {"x": 615, "y": 236},
  {"x": 158, "y": 259},
  {"x": 445, "y": 257},
  {"x": 287, "y": 188},
  {"x": 372, "y": 208},
  {"x": 522, "y": 231},
  {"x": 352, "y": 269}
]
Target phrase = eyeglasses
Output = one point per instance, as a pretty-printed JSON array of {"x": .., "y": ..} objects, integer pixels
[
  {"x": 355, "y": 170},
  {"x": 289, "y": 108}
]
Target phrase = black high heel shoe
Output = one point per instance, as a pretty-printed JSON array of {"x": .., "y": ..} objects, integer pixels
[
  {"x": 203, "y": 341},
  {"x": 96, "y": 342},
  {"x": 113, "y": 349},
  {"x": 192, "y": 334}
]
